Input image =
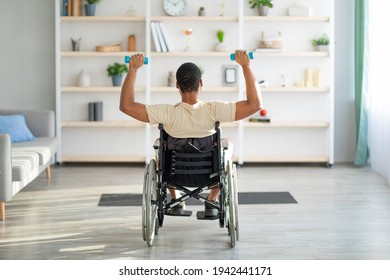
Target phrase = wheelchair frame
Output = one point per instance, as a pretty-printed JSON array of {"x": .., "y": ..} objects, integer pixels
[{"x": 154, "y": 199}]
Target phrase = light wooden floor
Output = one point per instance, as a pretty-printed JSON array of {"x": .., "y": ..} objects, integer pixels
[{"x": 342, "y": 213}]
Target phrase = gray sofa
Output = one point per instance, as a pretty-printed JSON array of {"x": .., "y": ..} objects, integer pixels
[{"x": 22, "y": 162}]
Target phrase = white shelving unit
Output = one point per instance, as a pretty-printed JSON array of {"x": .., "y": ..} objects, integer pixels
[{"x": 301, "y": 127}]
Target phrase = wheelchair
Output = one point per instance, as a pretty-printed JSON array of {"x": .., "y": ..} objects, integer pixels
[{"x": 191, "y": 171}]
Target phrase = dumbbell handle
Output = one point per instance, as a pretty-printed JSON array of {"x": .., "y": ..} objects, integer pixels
[
  {"x": 233, "y": 57},
  {"x": 128, "y": 58}
]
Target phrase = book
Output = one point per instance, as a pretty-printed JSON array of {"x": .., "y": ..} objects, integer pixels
[
  {"x": 69, "y": 8},
  {"x": 155, "y": 37},
  {"x": 264, "y": 119},
  {"x": 95, "y": 111},
  {"x": 165, "y": 36},
  {"x": 64, "y": 9},
  {"x": 76, "y": 8},
  {"x": 161, "y": 38},
  {"x": 98, "y": 111}
]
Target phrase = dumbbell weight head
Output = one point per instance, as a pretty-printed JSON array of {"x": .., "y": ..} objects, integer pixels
[{"x": 233, "y": 57}]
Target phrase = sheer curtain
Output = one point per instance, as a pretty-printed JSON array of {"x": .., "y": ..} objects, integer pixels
[
  {"x": 379, "y": 86},
  {"x": 361, "y": 81}
]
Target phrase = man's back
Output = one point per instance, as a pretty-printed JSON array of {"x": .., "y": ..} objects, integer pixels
[{"x": 185, "y": 120}]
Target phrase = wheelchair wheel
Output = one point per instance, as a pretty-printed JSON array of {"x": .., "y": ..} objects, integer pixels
[
  {"x": 144, "y": 203},
  {"x": 236, "y": 213},
  {"x": 232, "y": 229},
  {"x": 149, "y": 206}
]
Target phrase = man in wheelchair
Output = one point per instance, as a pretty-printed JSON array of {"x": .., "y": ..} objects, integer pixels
[{"x": 191, "y": 124}]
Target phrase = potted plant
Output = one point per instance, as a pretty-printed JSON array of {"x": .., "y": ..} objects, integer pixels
[
  {"x": 220, "y": 46},
  {"x": 321, "y": 44},
  {"x": 202, "y": 11},
  {"x": 116, "y": 71},
  {"x": 262, "y": 5},
  {"x": 90, "y": 7}
]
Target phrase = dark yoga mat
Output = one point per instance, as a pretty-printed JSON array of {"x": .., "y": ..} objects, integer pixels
[{"x": 129, "y": 199}]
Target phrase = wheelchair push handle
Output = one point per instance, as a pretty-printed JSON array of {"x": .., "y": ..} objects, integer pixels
[
  {"x": 233, "y": 57},
  {"x": 128, "y": 58}
]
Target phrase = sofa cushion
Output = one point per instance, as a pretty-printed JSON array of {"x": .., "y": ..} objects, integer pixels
[
  {"x": 46, "y": 147},
  {"x": 43, "y": 153},
  {"x": 15, "y": 126},
  {"x": 25, "y": 166}
]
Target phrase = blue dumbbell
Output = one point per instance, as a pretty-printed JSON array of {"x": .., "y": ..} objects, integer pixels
[
  {"x": 233, "y": 57},
  {"x": 128, "y": 58}
]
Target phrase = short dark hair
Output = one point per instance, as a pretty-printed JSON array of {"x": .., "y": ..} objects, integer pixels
[{"x": 188, "y": 76}]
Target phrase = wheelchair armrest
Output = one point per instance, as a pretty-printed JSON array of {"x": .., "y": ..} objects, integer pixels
[{"x": 156, "y": 144}]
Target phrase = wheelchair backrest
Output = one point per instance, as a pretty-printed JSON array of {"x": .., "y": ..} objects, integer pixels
[{"x": 190, "y": 162}]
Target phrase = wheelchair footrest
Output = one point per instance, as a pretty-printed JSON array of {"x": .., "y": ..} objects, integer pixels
[
  {"x": 201, "y": 216},
  {"x": 184, "y": 213}
]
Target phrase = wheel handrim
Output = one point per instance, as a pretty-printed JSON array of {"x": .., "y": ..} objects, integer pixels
[
  {"x": 236, "y": 211},
  {"x": 151, "y": 207},
  {"x": 144, "y": 203},
  {"x": 231, "y": 204}
]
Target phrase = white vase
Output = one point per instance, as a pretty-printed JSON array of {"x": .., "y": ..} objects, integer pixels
[
  {"x": 322, "y": 48},
  {"x": 220, "y": 47},
  {"x": 84, "y": 80}
]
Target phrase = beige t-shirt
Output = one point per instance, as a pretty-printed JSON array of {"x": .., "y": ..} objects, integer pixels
[{"x": 184, "y": 120}]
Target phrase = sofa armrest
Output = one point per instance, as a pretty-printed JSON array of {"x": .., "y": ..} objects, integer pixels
[{"x": 5, "y": 168}]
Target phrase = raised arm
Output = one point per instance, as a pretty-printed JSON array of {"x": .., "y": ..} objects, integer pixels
[
  {"x": 128, "y": 105},
  {"x": 253, "y": 103}
]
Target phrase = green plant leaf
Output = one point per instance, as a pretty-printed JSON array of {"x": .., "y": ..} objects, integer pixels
[
  {"x": 117, "y": 69},
  {"x": 259, "y": 3}
]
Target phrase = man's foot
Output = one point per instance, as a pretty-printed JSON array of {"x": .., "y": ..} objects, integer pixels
[
  {"x": 177, "y": 209},
  {"x": 210, "y": 211}
]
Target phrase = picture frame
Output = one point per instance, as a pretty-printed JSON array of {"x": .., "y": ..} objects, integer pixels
[{"x": 230, "y": 75}]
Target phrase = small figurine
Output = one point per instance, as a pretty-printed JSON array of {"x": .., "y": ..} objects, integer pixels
[{"x": 76, "y": 45}]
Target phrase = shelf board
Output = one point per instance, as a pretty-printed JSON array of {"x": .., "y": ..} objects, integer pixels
[
  {"x": 195, "y": 18},
  {"x": 215, "y": 89},
  {"x": 229, "y": 125},
  {"x": 94, "y": 54},
  {"x": 204, "y": 89},
  {"x": 227, "y": 54},
  {"x": 287, "y": 124},
  {"x": 287, "y": 18},
  {"x": 283, "y": 158},
  {"x": 191, "y": 54},
  {"x": 102, "y": 124},
  {"x": 94, "y": 89},
  {"x": 100, "y": 18},
  {"x": 102, "y": 158},
  {"x": 294, "y": 89},
  {"x": 292, "y": 54}
]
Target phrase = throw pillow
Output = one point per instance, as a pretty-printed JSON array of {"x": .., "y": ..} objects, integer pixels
[{"x": 16, "y": 127}]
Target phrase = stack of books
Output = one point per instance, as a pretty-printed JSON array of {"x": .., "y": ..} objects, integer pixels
[
  {"x": 259, "y": 118},
  {"x": 160, "y": 37}
]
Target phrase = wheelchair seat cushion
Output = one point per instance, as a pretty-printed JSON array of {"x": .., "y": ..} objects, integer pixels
[{"x": 191, "y": 162}]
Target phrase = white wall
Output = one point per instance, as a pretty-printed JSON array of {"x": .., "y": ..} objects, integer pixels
[
  {"x": 27, "y": 54},
  {"x": 344, "y": 81},
  {"x": 27, "y": 64}
]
